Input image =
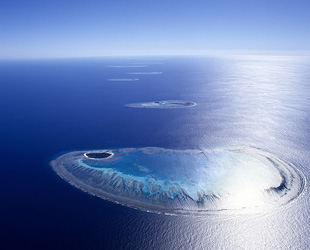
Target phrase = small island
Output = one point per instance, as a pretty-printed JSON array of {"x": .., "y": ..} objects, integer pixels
[
  {"x": 99, "y": 155},
  {"x": 167, "y": 104}
]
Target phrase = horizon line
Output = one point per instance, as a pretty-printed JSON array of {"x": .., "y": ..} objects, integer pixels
[{"x": 301, "y": 53}]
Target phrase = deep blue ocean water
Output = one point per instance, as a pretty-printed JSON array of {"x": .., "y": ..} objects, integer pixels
[{"x": 52, "y": 106}]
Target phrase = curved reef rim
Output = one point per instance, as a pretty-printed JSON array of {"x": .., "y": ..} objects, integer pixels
[{"x": 109, "y": 183}]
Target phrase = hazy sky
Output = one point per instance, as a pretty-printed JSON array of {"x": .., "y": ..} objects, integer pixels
[{"x": 106, "y": 27}]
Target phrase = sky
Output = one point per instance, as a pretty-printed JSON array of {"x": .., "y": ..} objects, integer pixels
[{"x": 66, "y": 28}]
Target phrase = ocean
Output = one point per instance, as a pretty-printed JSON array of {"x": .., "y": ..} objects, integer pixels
[{"x": 54, "y": 106}]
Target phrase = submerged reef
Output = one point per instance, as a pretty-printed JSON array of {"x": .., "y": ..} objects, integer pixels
[
  {"x": 183, "y": 181},
  {"x": 145, "y": 73},
  {"x": 168, "y": 104},
  {"x": 123, "y": 79}
]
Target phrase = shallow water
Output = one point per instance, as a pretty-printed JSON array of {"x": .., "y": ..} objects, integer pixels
[{"x": 56, "y": 106}]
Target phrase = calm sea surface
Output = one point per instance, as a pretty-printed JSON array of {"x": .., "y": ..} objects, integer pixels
[{"x": 49, "y": 107}]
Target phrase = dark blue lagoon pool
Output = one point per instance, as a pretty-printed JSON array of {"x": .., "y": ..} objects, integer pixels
[{"x": 229, "y": 171}]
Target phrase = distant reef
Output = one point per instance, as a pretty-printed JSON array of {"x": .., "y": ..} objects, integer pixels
[{"x": 167, "y": 104}]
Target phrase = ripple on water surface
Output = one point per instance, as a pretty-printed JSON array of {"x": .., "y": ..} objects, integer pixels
[{"x": 183, "y": 181}]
